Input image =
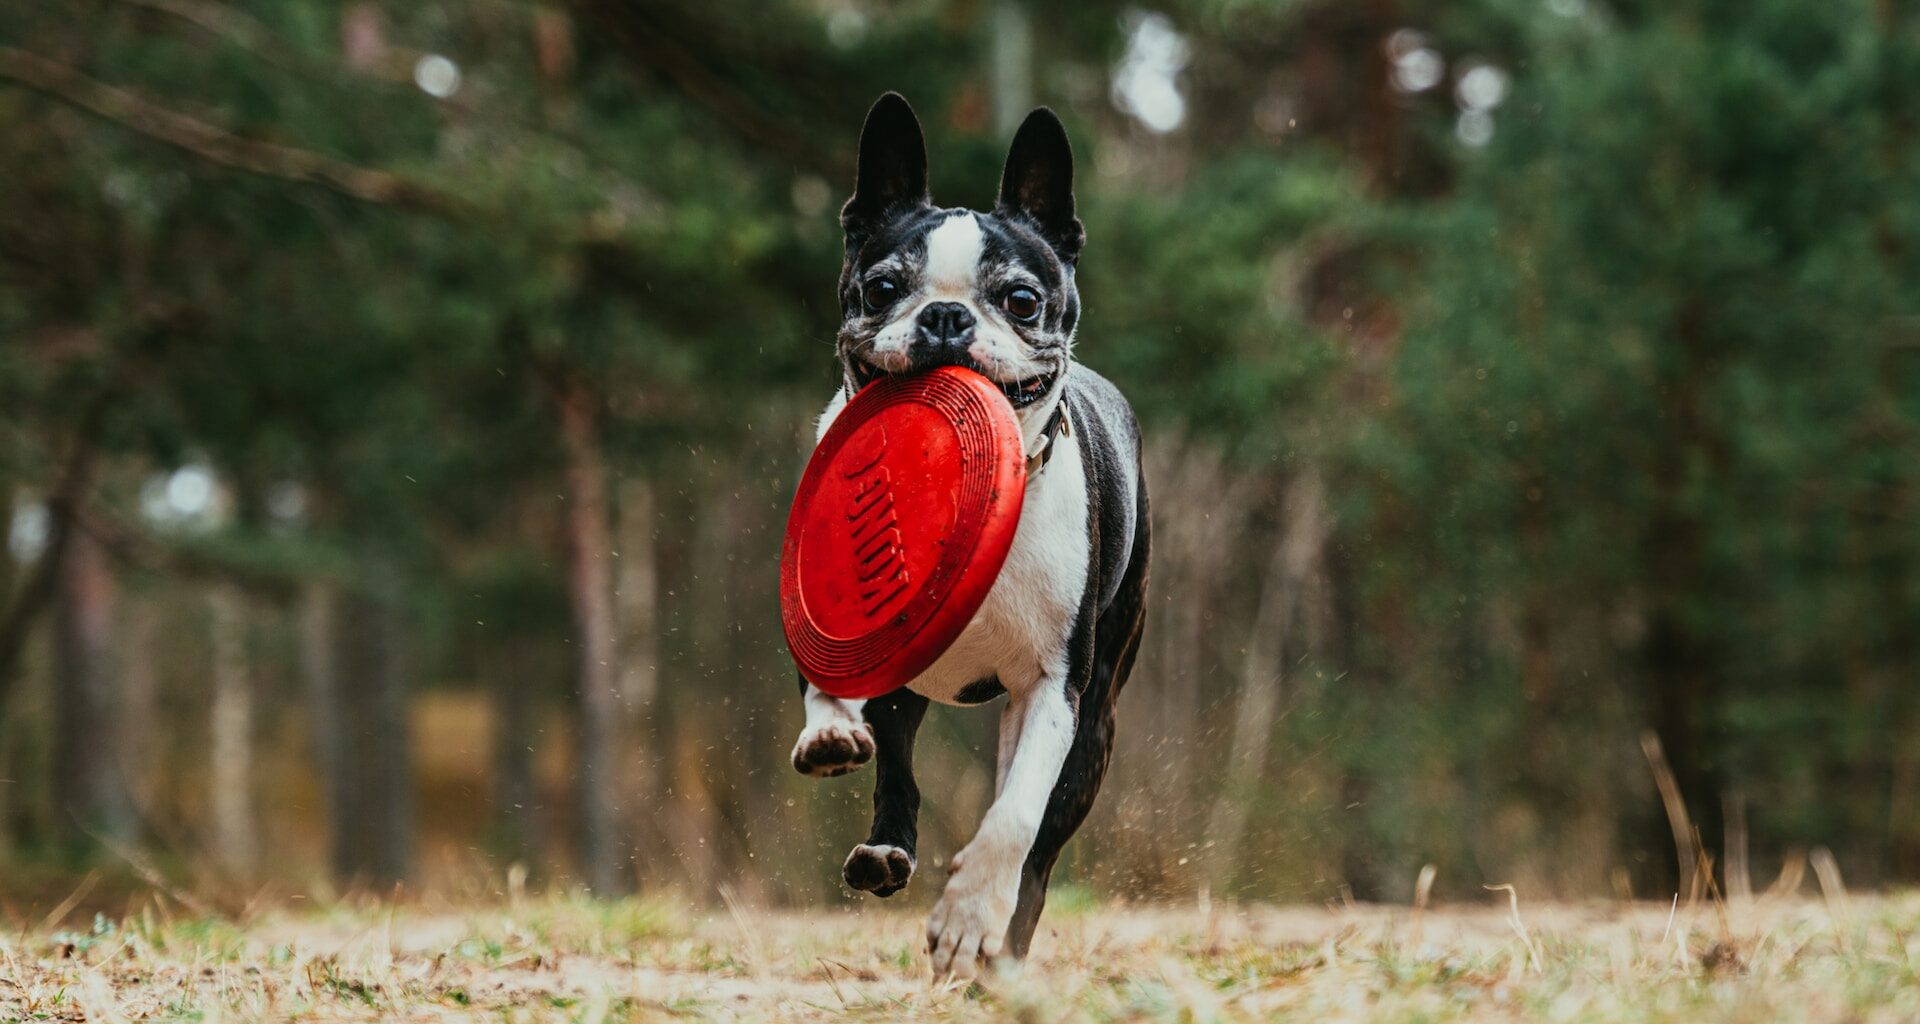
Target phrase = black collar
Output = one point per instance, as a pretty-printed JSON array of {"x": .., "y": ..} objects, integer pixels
[{"x": 1055, "y": 429}]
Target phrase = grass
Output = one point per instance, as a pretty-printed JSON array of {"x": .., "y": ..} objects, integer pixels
[{"x": 571, "y": 959}]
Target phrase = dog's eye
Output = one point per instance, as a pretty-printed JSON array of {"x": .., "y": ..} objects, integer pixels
[
  {"x": 1021, "y": 304},
  {"x": 879, "y": 293}
]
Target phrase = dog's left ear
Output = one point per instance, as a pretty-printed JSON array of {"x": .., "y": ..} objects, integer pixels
[
  {"x": 1038, "y": 183},
  {"x": 892, "y": 172}
]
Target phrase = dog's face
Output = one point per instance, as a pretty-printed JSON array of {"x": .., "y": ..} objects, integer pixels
[{"x": 924, "y": 286}]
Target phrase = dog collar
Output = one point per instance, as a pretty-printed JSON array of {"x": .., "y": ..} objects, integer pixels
[{"x": 1056, "y": 428}]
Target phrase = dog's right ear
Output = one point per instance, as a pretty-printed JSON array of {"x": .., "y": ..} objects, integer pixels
[
  {"x": 1038, "y": 183},
  {"x": 892, "y": 172}
]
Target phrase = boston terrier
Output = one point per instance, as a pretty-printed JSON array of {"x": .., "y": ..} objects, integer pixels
[{"x": 926, "y": 286}]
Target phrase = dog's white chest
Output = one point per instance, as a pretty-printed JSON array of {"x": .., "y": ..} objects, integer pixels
[{"x": 1020, "y": 633}]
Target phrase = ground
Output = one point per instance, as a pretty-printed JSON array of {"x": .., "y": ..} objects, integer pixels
[{"x": 573, "y": 959}]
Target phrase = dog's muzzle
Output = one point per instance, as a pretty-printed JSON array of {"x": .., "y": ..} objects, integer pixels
[{"x": 943, "y": 334}]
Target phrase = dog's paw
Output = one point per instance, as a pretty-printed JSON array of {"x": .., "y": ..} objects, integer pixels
[
  {"x": 833, "y": 748},
  {"x": 969, "y": 924},
  {"x": 881, "y": 870}
]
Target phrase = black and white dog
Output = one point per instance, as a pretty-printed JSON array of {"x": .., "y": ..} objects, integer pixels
[{"x": 925, "y": 286}]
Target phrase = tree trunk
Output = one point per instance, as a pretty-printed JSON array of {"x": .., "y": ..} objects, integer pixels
[
  {"x": 1679, "y": 659},
  {"x": 1012, "y": 65},
  {"x": 8, "y": 568},
  {"x": 516, "y": 797},
  {"x": 637, "y": 605},
  {"x": 606, "y": 859},
  {"x": 22, "y": 606},
  {"x": 1262, "y": 668},
  {"x": 235, "y": 835},
  {"x": 319, "y": 681},
  {"x": 138, "y": 708},
  {"x": 373, "y": 785},
  {"x": 554, "y": 53},
  {"x": 638, "y": 596},
  {"x": 90, "y": 794}
]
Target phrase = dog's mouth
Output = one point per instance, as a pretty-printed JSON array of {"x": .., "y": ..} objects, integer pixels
[{"x": 1021, "y": 393}]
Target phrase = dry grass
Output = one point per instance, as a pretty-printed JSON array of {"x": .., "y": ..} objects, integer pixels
[{"x": 575, "y": 960}]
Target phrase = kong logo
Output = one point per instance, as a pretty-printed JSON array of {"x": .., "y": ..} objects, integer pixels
[{"x": 873, "y": 526}]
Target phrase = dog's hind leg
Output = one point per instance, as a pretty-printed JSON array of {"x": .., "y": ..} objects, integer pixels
[
  {"x": 883, "y": 864},
  {"x": 835, "y": 739},
  {"x": 1116, "y": 644},
  {"x": 1072, "y": 798}
]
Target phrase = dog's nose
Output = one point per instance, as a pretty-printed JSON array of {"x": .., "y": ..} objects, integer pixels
[{"x": 946, "y": 325}]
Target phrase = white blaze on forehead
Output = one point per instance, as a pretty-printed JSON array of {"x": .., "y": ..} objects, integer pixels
[{"x": 953, "y": 255}]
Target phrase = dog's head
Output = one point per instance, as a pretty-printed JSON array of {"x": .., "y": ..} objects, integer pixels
[{"x": 925, "y": 286}]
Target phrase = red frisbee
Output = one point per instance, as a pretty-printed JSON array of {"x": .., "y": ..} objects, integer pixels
[{"x": 901, "y": 523}]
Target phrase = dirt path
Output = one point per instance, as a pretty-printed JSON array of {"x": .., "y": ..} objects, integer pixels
[{"x": 573, "y": 960}]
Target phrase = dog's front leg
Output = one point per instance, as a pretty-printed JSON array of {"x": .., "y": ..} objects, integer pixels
[
  {"x": 969, "y": 925},
  {"x": 884, "y": 863},
  {"x": 835, "y": 740}
]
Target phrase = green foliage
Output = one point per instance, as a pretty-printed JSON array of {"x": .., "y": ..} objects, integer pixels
[
  {"x": 1617, "y": 415},
  {"x": 1671, "y": 386}
]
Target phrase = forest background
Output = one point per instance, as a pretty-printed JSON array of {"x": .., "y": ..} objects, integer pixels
[{"x": 399, "y": 404}]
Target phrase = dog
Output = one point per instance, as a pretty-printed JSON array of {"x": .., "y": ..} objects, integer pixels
[{"x": 925, "y": 286}]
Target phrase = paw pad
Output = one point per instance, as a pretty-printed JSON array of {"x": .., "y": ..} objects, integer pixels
[
  {"x": 880, "y": 870},
  {"x": 833, "y": 749}
]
